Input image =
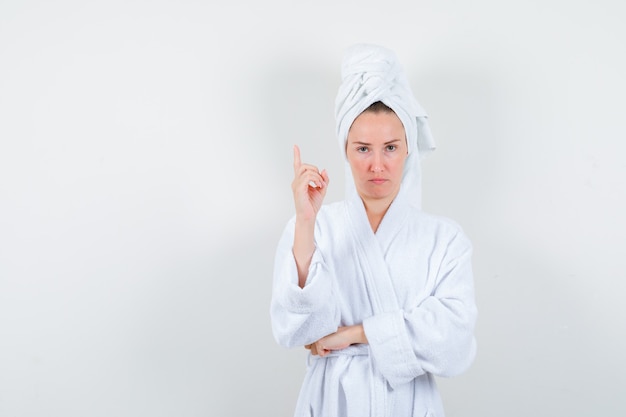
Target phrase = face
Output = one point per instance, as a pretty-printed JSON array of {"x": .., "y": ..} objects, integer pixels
[{"x": 376, "y": 150}]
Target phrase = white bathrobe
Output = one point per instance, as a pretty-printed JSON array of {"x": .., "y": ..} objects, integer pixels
[{"x": 411, "y": 286}]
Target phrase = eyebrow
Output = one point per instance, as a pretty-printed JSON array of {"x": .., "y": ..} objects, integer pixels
[{"x": 357, "y": 142}]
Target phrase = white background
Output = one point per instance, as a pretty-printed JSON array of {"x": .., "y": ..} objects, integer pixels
[{"x": 145, "y": 169}]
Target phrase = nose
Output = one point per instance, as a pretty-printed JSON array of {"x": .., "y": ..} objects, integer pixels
[{"x": 377, "y": 162}]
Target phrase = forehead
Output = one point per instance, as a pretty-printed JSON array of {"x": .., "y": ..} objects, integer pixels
[{"x": 373, "y": 127}]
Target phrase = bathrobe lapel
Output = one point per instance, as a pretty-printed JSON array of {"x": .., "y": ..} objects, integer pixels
[
  {"x": 369, "y": 253},
  {"x": 370, "y": 249}
]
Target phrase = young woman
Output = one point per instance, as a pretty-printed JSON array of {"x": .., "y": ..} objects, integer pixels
[{"x": 380, "y": 292}]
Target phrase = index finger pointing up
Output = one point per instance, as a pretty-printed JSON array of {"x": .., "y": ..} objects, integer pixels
[{"x": 296, "y": 158}]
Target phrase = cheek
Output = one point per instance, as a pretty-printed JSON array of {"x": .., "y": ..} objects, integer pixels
[
  {"x": 356, "y": 162},
  {"x": 358, "y": 167}
]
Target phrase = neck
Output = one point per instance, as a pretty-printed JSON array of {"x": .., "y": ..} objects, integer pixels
[{"x": 375, "y": 210}]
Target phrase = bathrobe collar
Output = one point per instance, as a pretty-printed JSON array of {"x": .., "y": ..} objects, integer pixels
[{"x": 371, "y": 247}]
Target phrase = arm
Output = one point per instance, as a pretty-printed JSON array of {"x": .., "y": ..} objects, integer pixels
[
  {"x": 301, "y": 315},
  {"x": 341, "y": 339},
  {"x": 303, "y": 248},
  {"x": 436, "y": 336},
  {"x": 302, "y": 307},
  {"x": 308, "y": 201}
]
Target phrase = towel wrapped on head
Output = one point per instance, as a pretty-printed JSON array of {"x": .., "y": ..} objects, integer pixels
[{"x": 372, "y": 73}]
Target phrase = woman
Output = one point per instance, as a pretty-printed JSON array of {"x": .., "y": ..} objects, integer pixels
[{"x": 380, "y": 292}]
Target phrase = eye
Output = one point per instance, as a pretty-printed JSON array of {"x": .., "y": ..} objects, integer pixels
[
  {"x": 391, "y": 148},
  {"x": 361, "y": 149}
]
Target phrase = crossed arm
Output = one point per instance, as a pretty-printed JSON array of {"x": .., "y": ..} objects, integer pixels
[{"x": 341, "y": 339}]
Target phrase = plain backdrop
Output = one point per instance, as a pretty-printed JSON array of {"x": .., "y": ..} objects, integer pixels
[{"x": 145, "y": 170}]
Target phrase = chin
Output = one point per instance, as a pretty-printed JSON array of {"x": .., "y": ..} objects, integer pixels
[
  {"x": 378, "y": 193},
  {"x": 376, "y": 196}
]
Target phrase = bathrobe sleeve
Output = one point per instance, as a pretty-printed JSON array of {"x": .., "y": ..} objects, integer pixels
[
  {"x": 301, "y": 316},
  {"x": 436, "y": 336}
]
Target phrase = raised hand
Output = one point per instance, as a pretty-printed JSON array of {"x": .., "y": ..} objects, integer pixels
[{"x": 309, "y": 187}]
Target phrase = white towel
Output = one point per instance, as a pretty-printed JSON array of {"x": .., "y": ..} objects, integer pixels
[{"x": 372, "y": 73}]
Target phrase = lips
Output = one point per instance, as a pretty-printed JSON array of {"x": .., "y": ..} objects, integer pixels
[{"x": 378, "y": 181}]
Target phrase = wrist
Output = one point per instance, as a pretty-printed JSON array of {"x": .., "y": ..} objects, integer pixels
[{"x": 305, "y": 221}]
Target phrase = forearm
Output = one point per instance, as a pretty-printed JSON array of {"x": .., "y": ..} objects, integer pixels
[
  {"x": 341, "y": 339},
  {"x": 356, "y": 334},
  {"x": 303, "y": 248}
]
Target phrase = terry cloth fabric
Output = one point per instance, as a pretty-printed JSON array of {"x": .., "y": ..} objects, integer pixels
[{"x": 371, "y": 73}]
